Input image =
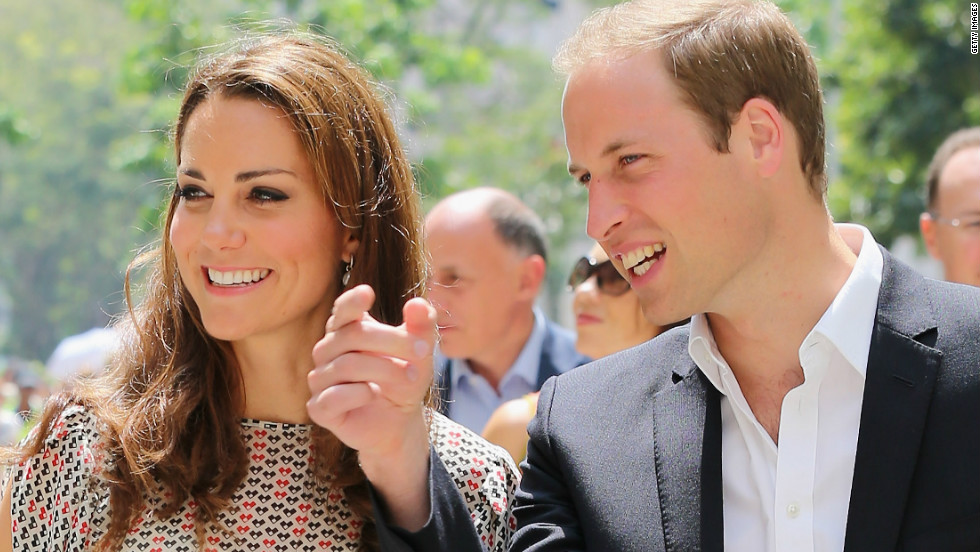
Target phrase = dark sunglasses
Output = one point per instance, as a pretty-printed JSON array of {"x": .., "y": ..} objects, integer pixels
[{"x": 608, "y": 280}]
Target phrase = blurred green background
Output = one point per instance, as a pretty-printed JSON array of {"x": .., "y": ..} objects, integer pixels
[{"x": 88, "y": 89}]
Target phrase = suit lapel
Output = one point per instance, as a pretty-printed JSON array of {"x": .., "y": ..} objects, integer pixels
[
  {"x": 712, "y": 514},
  {"x": 443, "y": 380},
  {"x": 902, "y": 371},
  {"x": 687, "y": 445},
  {"x": 545, "y": 367}
]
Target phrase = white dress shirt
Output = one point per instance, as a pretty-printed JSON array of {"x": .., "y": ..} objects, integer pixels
[{"x": 795, "y": 497}]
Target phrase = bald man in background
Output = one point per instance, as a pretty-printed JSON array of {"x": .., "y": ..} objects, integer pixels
[
  {"x": 951, "y": 226},
  {"x": 489, "y": 258}
]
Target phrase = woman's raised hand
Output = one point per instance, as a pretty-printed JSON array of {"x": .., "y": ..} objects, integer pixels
[{"x": 368, "y": 387}]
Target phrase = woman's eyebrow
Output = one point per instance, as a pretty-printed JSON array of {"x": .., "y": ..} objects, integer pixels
[
  {"x": 240, "y": 177},
  {"x": 251, "y": 175}
]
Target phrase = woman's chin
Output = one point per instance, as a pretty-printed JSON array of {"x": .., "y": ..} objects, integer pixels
[
  {"x": 224, "y": 331},
  {"x": 590, "y": 347}
]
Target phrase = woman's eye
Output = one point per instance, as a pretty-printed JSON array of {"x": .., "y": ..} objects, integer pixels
[
  {"x": 628, "y": 159},
  {"x": 189, "y": 192},
  {"x": 263, "y": 195},
  {"x": 585, "y": 179}
]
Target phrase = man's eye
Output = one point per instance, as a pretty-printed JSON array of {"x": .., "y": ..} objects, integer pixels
[
  {"x": 585, "y": 179},
  {"x": 447, "y": 280},
  {"x": 628, "y": 159}
]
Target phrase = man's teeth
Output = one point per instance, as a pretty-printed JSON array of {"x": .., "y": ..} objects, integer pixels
[
  {"x": 642, "y": 268},
  {"x": 642, "y": 258},
  {"x": 236, "y": 276}
]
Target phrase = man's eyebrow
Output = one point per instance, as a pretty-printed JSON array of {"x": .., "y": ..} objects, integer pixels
[
  {"x": 616, "y": 146},
  {"x": 612, "y": 148}
]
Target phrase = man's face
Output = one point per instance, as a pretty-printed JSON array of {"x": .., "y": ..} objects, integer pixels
[
  {"x": 680, "y": 219},
  {"x": 475, "y": 285},
  {"x": 958, "y": 198}
]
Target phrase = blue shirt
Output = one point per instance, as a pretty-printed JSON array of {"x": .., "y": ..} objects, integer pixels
[{"x": 474, "y": 399}]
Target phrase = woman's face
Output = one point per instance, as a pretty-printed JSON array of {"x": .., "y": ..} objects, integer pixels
[
  {"x": 256, "y": 245},
  {"x": 607, "y": 323}
]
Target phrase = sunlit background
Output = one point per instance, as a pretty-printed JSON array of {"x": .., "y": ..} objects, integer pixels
[{"x": 88, "y": 88}]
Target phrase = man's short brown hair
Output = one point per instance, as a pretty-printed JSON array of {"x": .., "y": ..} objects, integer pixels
[{"x": 722, "y": 54}]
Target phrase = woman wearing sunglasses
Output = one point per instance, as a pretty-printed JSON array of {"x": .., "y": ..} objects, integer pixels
[{"x": 608, "y": 319}]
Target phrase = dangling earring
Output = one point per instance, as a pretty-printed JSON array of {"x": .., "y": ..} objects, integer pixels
[{"x": 345, "y": 279}]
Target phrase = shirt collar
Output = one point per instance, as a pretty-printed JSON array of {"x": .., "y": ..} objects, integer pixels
[
  {"x": 849, "y": 320},
  {"x": 847, "y": 323},
  {"x": 704, "y": 351},
  {"x": 525, "y": 366}
]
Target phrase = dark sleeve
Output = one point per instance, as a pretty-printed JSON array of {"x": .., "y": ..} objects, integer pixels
[
  {"x": 546, "y": 516},
  {"x": 449, "y": 527}
]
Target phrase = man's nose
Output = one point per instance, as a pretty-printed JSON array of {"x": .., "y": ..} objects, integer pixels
[{"x": 606, "y": 211}]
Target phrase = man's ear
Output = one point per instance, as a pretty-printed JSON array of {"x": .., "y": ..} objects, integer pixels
[
  {"x": 532, "y": 275},
  {"x": 763, "y": 125},
  {"x": 928, "y": 228}
]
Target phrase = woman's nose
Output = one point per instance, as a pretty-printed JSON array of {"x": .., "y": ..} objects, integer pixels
[
  {"x": 223, "y": 229},
  {"x": 587, "y": 291}
]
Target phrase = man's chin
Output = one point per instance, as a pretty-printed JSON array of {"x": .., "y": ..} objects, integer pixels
[
  {"x": 968, "y": 279},
  {"x": 450, "y": 347}
]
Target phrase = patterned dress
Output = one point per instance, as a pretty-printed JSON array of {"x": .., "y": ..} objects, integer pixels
[{"x": 60, "y": 503}]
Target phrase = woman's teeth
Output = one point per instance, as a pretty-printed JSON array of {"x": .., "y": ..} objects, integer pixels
[{"x": 234, "y": 277}]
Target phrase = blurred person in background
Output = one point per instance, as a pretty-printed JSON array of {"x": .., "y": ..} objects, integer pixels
[
  {"x": 489, "y": 258},
  {"x": 11, "y": 401},
  {"x": 280, "y": 359},
  {"x": 31, "y": 392},
  {"x": 608, "y": 315},
  {"x": 23, "y": 392},
  {"x": 608, "y": 319},
  {"x": 951, "y": 225},
  {"x": 82, "y": 355}
]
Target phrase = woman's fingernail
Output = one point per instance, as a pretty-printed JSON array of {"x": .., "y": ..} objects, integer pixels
[
  {"x": 421, "y": 348},
  {"x": 411, "y": 373}
]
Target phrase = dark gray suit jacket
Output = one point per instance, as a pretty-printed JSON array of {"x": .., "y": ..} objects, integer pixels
[{"x": 625, "y": 452}]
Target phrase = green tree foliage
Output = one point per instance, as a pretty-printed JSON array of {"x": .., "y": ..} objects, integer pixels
[
  {"x": 13, "y": 128},
  {"x": 67, "y": 217},
  {"x": 88, "y": 91},
  {"x": 907, "y": 80},
  {"x": 899, "y": 77}
]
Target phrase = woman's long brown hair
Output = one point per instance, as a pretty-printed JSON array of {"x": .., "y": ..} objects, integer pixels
[{"x": 169, "y": 407}]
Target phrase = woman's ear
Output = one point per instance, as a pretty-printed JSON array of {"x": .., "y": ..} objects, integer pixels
[{"x": 350, "y": 246}]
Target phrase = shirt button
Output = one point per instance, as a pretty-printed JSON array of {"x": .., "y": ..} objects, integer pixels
[{"x": 793, "y": 510}]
